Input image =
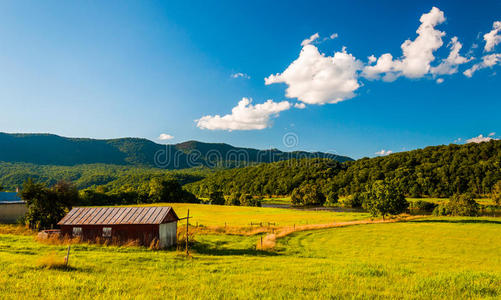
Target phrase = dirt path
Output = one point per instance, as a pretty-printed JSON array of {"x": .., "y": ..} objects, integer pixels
[{"x": 269, "y": 241}]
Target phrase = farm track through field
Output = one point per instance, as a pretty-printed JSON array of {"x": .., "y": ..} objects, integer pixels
[{"x": 269, "y": 241}]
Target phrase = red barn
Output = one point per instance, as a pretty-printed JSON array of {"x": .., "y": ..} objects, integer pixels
[{"x": 142, "y": 224}]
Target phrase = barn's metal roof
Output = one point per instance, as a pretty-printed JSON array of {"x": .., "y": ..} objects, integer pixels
[{"x": 119, "y": 215}]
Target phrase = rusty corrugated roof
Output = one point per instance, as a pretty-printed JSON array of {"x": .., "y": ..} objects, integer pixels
[{"x": 118, "y": 215}]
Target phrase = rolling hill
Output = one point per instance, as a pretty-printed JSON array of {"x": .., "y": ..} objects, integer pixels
[
  {"x": 435, "y": 171},
  {"x": 49, "y": 149}
]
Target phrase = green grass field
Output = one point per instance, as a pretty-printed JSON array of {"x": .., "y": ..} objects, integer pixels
[
  {"x": 218, "y": 215},
  {"x": 427, "y": 258}
]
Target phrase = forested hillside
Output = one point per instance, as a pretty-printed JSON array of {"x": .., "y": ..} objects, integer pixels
[
  {"x": 438, "y": 171},
  {"x": 112, "y": 177},
  {"x": 48, "y": 149}
]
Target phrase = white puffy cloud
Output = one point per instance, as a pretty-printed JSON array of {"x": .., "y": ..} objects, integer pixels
[
  {"x": 488, "y": 61},
  {"x": 240, "y": 75},
  {"x": 417, "y": 55},
  {"x": 450, "y": 64},
  {"x": 492, "y": 134},
  {"x": 310, "y": 40},
  {"x": 244, "y": 116},
  {"x": 333, "y": 36},
  {"x": 384, "y": 65},
  {"x": 300, "y": 105},
  {"x": 480, "y": 138},
  {"x": 384, "y": 152},
  {"x": 314, "y": 78},
  {"x": 493, "y": 37},
  {"x": 440, "y": 80},
  {"x": 165, "y": 137}
]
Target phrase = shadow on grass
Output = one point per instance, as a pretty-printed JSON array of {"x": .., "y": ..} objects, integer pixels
[
  {"x": 457, "y": 221},
  {"x": 64, "y": 268},
  {"x": 206, "y": 249}
]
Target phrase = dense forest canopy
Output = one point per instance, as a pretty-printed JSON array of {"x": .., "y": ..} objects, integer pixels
[
  {"x": 111, "y": 177},
  {"x": 438, "y": 171}
]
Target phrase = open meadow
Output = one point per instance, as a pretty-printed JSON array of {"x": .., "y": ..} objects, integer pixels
[
  {"x": 219, "y": 215},
  {"x": 421, "y": 259}
]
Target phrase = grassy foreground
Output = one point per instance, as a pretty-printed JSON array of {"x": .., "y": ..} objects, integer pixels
[{"x": 422, "y": 259}]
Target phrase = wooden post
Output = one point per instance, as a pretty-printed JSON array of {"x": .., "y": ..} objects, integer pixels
[
  {"x": 261, "y": 242},
  {"x": 67, "y": 258},
  {"x": 294, "y": 227},
  {"x": 187, "y": 228}
]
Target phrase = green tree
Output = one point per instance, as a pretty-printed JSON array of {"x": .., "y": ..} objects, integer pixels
[
  {"x": 496, "y": 193},
  {"x": 384, "y": 199},
  {"x": 46, "y": 206},
  {"x": 248, "y": 200},
  {"x": 307, "y": 195},
  {"x": 458, "y": 205},
  {"x": 354, "y": 200},
  {"x": 164, "y": 190},
  {"x": 216, "y": 198},
  {"x": 233, "y": 199}
]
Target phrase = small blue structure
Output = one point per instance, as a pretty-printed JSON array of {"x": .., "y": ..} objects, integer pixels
[
  {"x": 10, "y": 197},
  {"x": 12, "y": 208}
]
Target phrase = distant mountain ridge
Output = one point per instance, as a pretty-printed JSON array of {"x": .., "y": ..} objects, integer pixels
[{"x": 50, "y": 149}]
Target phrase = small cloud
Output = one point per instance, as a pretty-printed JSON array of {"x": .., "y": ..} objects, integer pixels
[
  {"x": 300, "y": 105},
  {"x": 458, "y": 140},
  {"x": 240, "y": 75},
  {"x": 440, "y": 80},
  {"x": 245, "y": 116},
  {"x": 310, "y": 40},
  {"x": 372, "y": 59},
  {"x": 493, "y": 37},
  {"x": 165, "y": 137},
  {"x": 480, "y": 139},
  {"x": 384, "y": 152},
  {"x": 488, "y": 61},
  {"x": 330, "y": 37},
  {"x": 492, "y": 134}
]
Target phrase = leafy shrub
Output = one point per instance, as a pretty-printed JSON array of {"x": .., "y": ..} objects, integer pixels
[
  {"x": 307, "y": 194},
  {"x": 496, "y": 193},
  {"x": 458, "y": 205},
  {"x": 248, "y": 200},
  {"x": 422, "y": 205},
  {"x": 354, "y": 201},
  {"x": 217, "y": 198},
  {"x": 233, "y": 199},
  {"x": 332, "y": 198}
]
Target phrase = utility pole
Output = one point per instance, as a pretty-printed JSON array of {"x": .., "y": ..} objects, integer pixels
[{"x": 187, "y": 228}]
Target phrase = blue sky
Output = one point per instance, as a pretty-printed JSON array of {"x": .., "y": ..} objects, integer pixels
[{"x": 144, "y": 68}]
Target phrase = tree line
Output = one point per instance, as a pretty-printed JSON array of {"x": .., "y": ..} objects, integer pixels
[{"x": 439, "y": 171}]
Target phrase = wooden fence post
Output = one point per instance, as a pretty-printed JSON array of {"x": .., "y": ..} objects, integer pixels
[
  {"x": 261, "y": 242},
  {"x": 67, "y": 258}
]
